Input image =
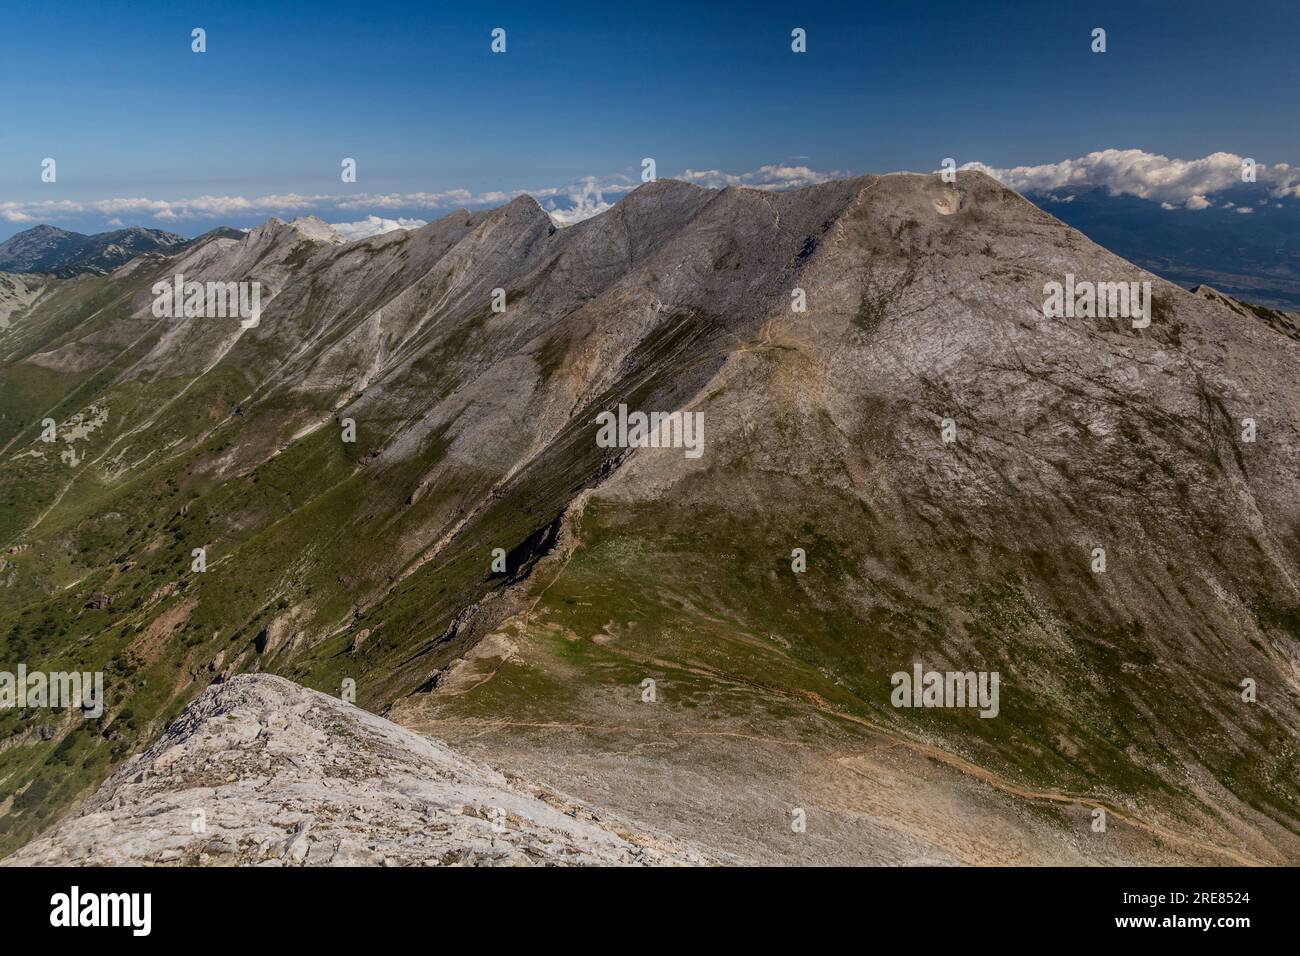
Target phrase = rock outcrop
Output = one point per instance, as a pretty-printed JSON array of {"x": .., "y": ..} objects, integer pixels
[{"x": 261, "y": 771}]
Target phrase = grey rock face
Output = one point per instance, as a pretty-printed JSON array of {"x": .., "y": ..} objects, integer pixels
[
  {"x": 260, "y": 771},
  {"x": 1172, "y": 448},
  {"x": 18, "y": 293}
]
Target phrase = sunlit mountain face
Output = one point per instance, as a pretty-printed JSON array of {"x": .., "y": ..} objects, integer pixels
[
  {"x": 433, "y": 435},
  {"x": 763, "y": 476}
]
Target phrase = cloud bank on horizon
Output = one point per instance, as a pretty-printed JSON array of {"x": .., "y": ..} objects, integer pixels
[
  {"x": 373, "y": 225},
  {"x": 1173, "y": 183}
]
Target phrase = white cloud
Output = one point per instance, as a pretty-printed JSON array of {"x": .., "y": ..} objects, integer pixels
[
  {"x": 566, "y": 204},
  {"x": 1245, "y": 209},
  {"x": 1135, "y": 172},
  {"x": 1174, "y": 183},
  {"x": 284, "y": 204},
  {"x": 765, "y": 177},
  {"x": 200, "y": 207},
  {"x": 1289, "y": 176},
  {"x": 372, "y": 226},
  {"x": 585, "y": 198},
  {"x": 591, "y": 196}
]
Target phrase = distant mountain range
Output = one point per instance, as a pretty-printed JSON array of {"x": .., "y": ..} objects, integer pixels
[
  {"x": 48, "y": 249},
  {"x": 1239, "y": 245}
]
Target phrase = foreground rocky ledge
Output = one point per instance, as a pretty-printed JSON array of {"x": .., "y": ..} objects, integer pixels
[{"x": 262, "y": 771}]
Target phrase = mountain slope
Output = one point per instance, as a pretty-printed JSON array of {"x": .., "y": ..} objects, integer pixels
[
  {"x": 46, "y": 249},
  {"x": 20, "y": 252},
  {"x": 18, "y": 293},
  {"x": 372, "y": 560},
  {"x": 258, "y": 771},
  {"x": 1288, "y": 323}
]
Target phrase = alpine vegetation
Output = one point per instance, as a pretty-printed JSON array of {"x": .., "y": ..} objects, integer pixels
[{"x": 654, "y": 430}]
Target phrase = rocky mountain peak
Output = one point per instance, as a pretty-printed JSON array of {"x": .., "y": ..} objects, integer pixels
[
  {"x": 286, "y": 776},
  {"x": 906, "y": 459}
]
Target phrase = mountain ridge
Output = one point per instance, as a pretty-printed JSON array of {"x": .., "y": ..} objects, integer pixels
[
  {"x": 46, "y": 249},
  {"x": 372, "y": 560},
  {"x": 273, "y": 774}
]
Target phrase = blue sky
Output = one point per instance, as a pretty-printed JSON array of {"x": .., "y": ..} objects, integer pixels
[{"x": 113, "y": 92}]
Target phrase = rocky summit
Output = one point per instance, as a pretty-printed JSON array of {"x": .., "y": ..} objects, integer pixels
[
  {"x": 389, "y": 489},
  {"x": 260, "y": 771}
]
